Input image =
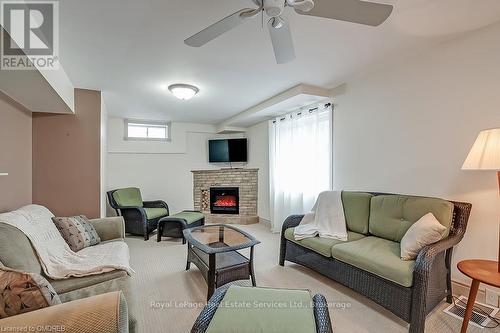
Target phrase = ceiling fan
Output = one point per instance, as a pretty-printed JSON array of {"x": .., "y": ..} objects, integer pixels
[{"x": 356, "y": 11}]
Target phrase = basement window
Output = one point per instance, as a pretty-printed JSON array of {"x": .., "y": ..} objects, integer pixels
[{"x": 147, "y": 130}]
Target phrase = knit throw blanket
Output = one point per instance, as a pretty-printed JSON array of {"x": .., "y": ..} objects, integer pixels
[
  {"x": 57, "y": 259},
  {"x": 325, "y": 220}
]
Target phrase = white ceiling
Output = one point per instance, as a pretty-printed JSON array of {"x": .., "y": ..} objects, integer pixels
[{"x": 132, "y": 49}]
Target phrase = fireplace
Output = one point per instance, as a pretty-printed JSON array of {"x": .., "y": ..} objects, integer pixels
[{"x": 224, "y": 200}]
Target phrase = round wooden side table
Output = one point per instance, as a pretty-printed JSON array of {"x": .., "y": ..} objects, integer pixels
[{"x": 480, "y": 271}]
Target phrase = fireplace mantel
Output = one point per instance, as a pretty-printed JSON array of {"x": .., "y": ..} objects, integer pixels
[{"x": 246, "y": 180}]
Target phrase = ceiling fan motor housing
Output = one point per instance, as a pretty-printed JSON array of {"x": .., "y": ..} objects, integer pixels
[{"x": 274, "y": 8}]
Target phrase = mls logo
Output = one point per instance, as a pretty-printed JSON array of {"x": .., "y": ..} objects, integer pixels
[{"x": 30, "y": 35}]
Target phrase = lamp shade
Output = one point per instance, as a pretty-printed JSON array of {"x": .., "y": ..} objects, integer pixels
[{"x": 485, "y": 153}]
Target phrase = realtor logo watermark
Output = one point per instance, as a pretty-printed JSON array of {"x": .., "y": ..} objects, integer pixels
[{"x": 30, "y": 35}]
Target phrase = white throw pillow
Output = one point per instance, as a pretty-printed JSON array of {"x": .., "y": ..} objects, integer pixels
[{"x": 424, "y": 232}]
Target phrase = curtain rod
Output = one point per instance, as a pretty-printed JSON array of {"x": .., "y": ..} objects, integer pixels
[{"x": 327, "y": 105}]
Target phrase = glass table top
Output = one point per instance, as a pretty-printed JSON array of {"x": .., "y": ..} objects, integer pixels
[{"x": 219, "y": 238}]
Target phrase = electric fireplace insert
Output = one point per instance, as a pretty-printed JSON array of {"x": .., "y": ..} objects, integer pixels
[{"x": 224, "y": 200}]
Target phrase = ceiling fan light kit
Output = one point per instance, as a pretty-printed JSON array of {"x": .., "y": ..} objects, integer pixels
[
  {"x": 355, "y": 11},
  {"x": 277, "y": 22}
]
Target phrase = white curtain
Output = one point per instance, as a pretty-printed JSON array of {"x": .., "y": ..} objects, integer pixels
[{"x": 300, "y": 156}]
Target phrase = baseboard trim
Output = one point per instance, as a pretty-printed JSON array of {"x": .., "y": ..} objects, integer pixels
[
  {"x": 265, "y": 222},
  {"x": 460, "y": 288}
]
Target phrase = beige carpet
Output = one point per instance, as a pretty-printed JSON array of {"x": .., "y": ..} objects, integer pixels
[{"x": 169, "y": 298}]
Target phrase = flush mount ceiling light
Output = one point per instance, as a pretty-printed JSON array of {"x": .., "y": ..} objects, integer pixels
[{"x": 183, "y": 91}]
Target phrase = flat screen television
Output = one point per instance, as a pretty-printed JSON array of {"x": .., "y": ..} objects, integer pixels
[{"x": 229, "y": 150}]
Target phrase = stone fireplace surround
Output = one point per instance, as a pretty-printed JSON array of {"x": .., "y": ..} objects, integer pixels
[{"x": 245, "y": 179}]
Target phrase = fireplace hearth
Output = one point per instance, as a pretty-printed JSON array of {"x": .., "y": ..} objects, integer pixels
[{"x": 224, "y": 200}]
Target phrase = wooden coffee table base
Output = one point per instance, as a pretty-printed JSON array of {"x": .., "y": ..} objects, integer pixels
[{"x": 480, "y": 271}]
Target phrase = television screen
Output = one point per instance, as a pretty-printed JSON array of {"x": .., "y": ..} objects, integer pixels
[{"x": 230, "y": 150}]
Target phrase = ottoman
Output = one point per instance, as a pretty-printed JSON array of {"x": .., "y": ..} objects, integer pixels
[
  {"x": 250, "y": 310},
  {"x": 173, "y": 225}
]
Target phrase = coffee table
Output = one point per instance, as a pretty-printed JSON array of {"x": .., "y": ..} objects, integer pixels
[{"x": 214, "y": 250}]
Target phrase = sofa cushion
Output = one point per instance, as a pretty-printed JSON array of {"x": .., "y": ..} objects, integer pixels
[
  {"x": 321, "y": 245},
  {"x": 378, "y": 256},
  {"x": 16, "y": 251},
  {"x": 128, "y": 197},
  {"x": 357, "y": 210},
  {"x": 392, "y": 215},
  {"x": 154, "y": 213},
  {"x": 246, "y": 310}
]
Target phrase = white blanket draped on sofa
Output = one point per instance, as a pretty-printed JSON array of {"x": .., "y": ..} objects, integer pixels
[
  {"x": 326, "y": 219},
  {"x": 57, "y": 259}
]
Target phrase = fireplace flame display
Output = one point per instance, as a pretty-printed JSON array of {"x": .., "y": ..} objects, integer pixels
[{"x": 225, "y": 201}]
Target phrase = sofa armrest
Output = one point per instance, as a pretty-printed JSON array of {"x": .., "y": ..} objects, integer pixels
[
  {"x": 109, "y": 228},
  {"x": 134, "y": 213},
  {"x": 105, "y": 313},
  {"x": 321, "y": 314},
  {"x": 429, "y": 268},
  {"x": 291, "y": 222},
  {"x": 203, "y": 321},
  {"x": 426, "y": 256}
]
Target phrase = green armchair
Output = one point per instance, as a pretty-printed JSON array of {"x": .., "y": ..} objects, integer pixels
[{"x": 141, "y": 217}]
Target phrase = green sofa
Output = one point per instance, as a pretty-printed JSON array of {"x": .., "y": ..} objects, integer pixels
[{"x": 369, "y": 261}]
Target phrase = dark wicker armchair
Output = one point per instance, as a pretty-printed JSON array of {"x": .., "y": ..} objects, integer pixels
[
  {"x": 431, "y": 276},
  {"x": 141, "y": 217}
]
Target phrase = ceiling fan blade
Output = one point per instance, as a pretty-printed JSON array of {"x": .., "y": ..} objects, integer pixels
[
  {"x": 282, "y": 42},
  {"x": 219, "y": 28},
  {"x": 356, "y": 11}
]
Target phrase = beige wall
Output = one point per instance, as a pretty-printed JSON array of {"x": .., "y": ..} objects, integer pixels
[
  {"x": 408, "y": 127},
  {"x": 66, "y": 158},
  {"x": 15, "y": 155}
]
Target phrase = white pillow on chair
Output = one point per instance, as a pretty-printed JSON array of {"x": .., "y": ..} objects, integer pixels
[{"x": 424, "y": 232}]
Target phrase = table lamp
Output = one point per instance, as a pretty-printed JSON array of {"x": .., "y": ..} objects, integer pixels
[{"x": 485, "y": 155}]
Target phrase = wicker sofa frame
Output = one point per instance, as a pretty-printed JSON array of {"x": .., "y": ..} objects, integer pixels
[
  {"x": 321, "y": 314},
  {"x": 136, "y": 221},
  {"x": 431, "y": 276}
]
